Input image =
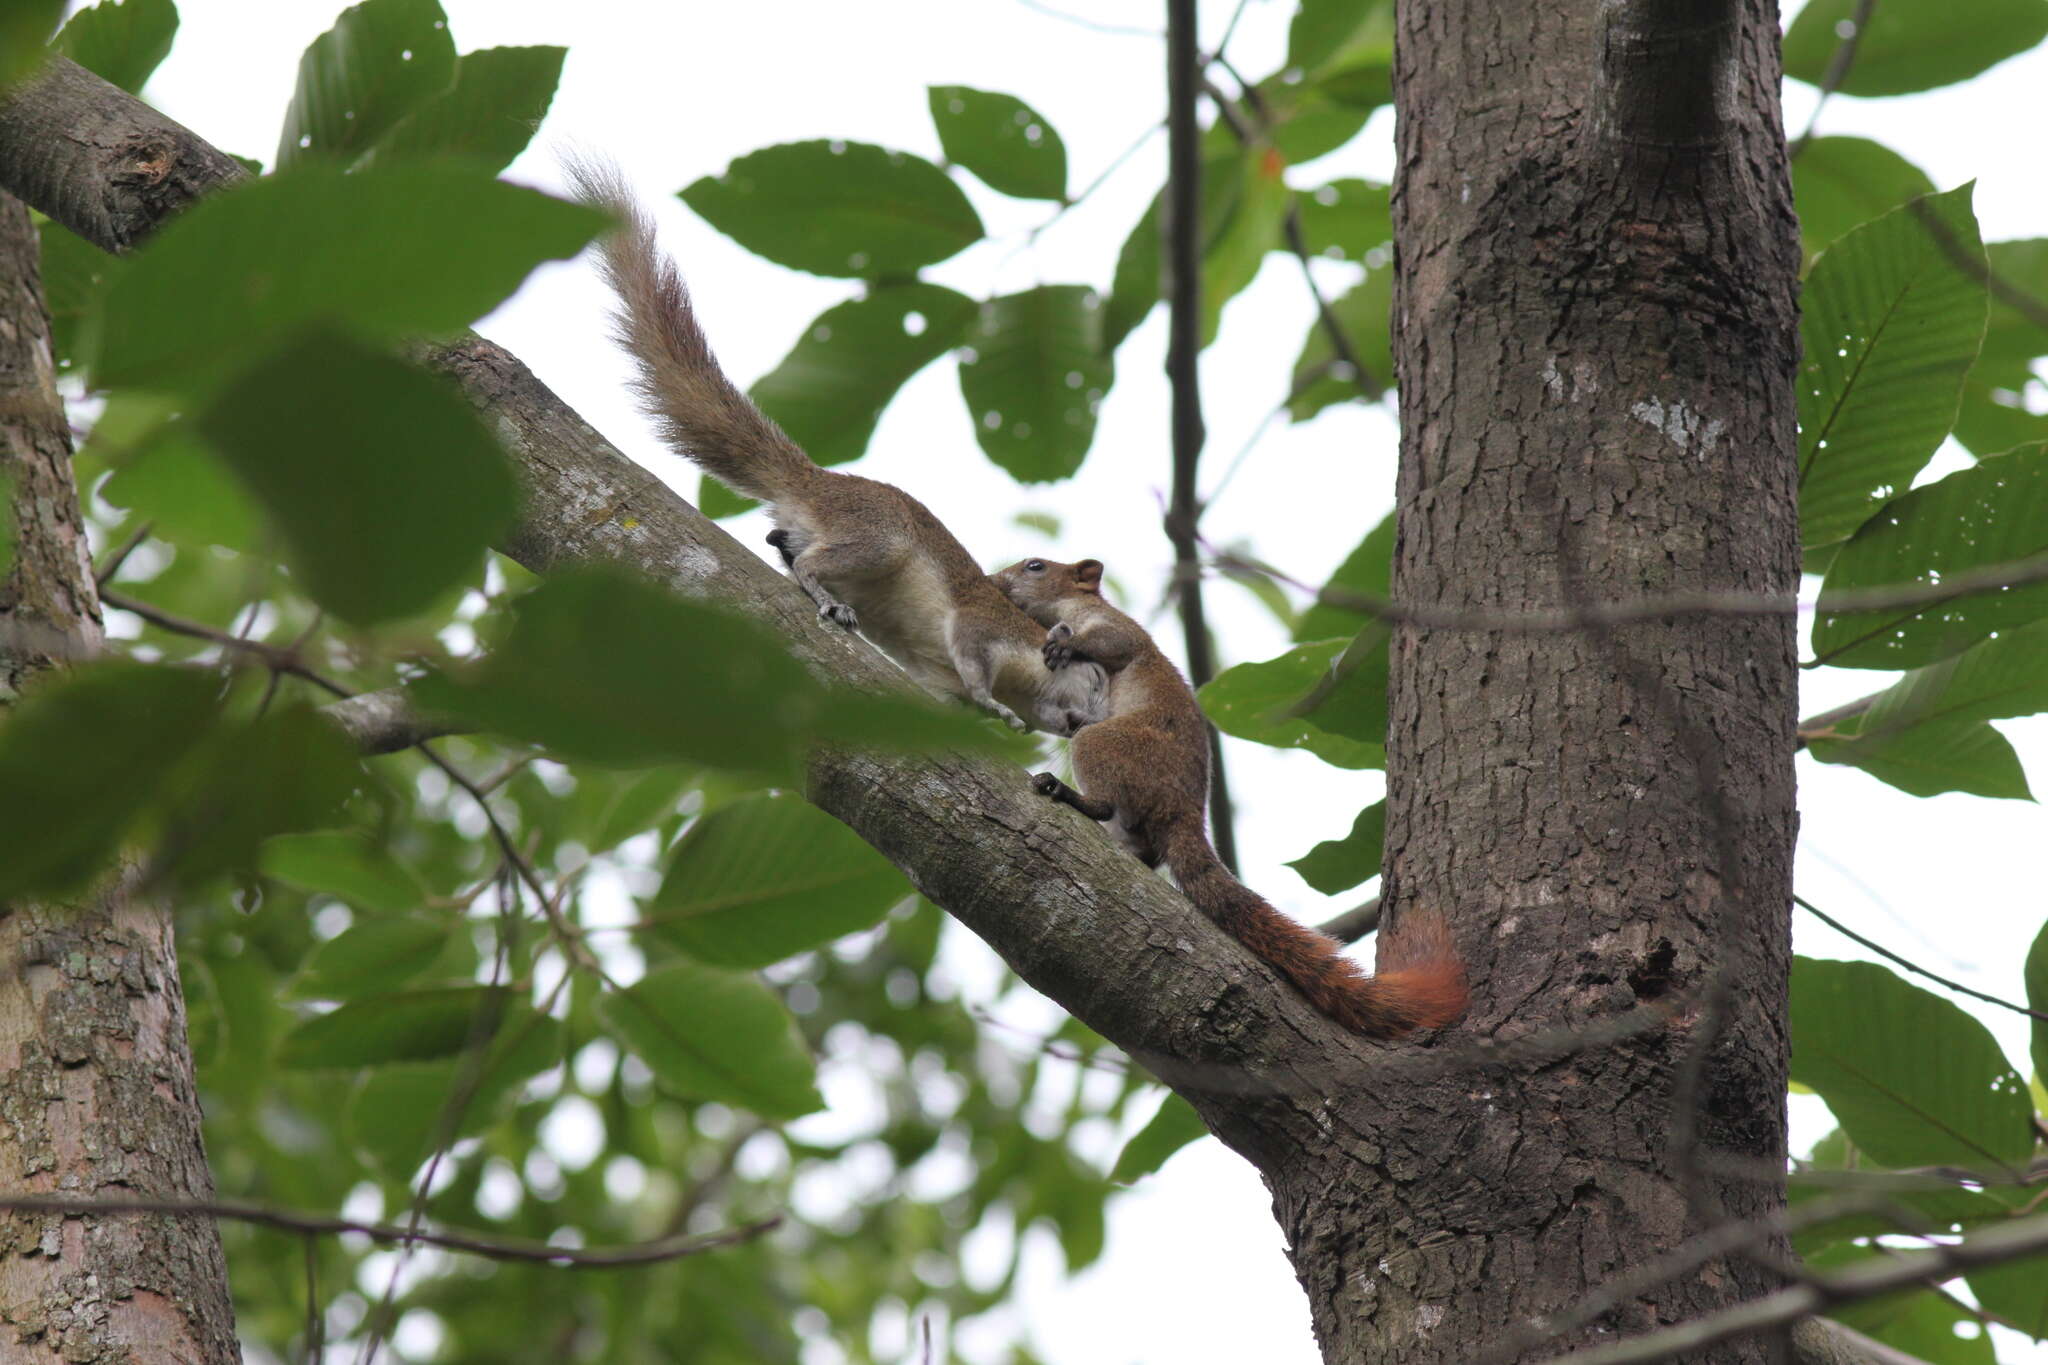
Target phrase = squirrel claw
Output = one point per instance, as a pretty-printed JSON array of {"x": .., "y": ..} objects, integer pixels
[
  {"x": 838, "y": 613},
  {"x": 1058, "y": 651},
  {"x": 1045, "y": 784}
]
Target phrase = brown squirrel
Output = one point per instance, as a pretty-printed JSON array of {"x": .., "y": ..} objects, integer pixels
[
  {"x": 1145, "y": 770},
  {"x": 870, "y": 555}
]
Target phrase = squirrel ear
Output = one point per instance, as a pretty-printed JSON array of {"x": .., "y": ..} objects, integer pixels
[{"x": 1088, "y": 575}]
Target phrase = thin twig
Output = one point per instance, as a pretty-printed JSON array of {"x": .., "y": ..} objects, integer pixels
[
  {"x": 1354, "y": 924},
  {"x": 316, "y": 1321},
  {"x": 277, "y": 658},
  {"x": 1846, "y": 932},
  {"x": 105, "y": 572},
  {"x": 1837, "y": 72},
  {"x": 469, "y": 1243}
]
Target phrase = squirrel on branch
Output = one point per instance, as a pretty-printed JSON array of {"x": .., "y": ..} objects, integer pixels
[
  {"x": 1144, "y": 770},
  {"x": 870, "y": 555}
]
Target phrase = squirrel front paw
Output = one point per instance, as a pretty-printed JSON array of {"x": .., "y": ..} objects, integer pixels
[
  {"x": 839, "y": 614},
  {"x": 1058, "y": 651},
  {"x": 1045, "y": 784}
]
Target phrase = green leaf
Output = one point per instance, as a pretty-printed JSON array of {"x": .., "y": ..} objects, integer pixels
[
  {"x": 1239, "y": 239},
  {"x": 1034, "y": 377},
  {"x": 1841, "y": 183},
  {"x": 343, "y": 865},
  {"x": 286, "y": 770},
  {"x": 1893, "y": 316},
  {"x": 642, "y": 803},
  {"x": 839, "y": 208},
  {"x": 1368, "y": 570},
  {"x": 1300, "y": 121},
  {"x": 82, "y": 756},
  {"x": 1003, "y": 140},
  {"x": 397, "y": 1026},
  {"x": 1913, "y": 1079},
  {"x": 714, "y": 1035},
  {"x": 375, "y": 955},
  {"x": 1350, "y": 699},
  {"x": 1345, "y": 220},
  {"x": 1345, "y": 47},
  {"x": 172, "y": 479},
  {"x": 829, "y": 391},
  {"x": 1908, "y": 47},
  {"x": 1926, "y": 1327},
  {"x": 1994, "y": 416},
  {"x": 381, "y": 480},
  {"x": 397, "y": 1109},
  {"x": 1138, "y": 281},
  {"x": 1320, "y": 378},
  {"x": 767, "y": 877},
  {"x": 392, "y": 252},
  {"x": 1975, "y": 519},
  {"x": 2037, "y": 998},
  {"x": 1927, "y": 760},
  {"x": 611, "y": 669},
  {"x": 2016, "y": 1292},
  {"x": 74, "y": 273},
  {"x": 1340, "y": 864},
  {"x": 715, "y": 500},
  {"x": 381, "y": 60},
  {"x": 1172, "y": 1127},
  {"x": 121, "y": 41},
  {"x": 1252, "y": 701},
  {"x": 25, "y": 26},
  {"x": 487, "y": 117}
]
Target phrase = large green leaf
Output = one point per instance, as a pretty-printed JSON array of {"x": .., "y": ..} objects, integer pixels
[
  {"x": 398, "y": 1026},
  {"x": 1893, "y": 315},
  {"x": 285, "y": 770},
  {"x": 1240, "y": 238},
  {"x": 74, "y": 272},
  {"x": 121, "y": 41},
  {"x": 714, "y": 1035},
  {"x": 1995, "y": 413},
  {"x": 1001, "y": 139},
  {"x": 1320, "y": 377},
  {"x": 611, "y": 669},
  {"x": 1138, "y": 281},
  {"x": 2016, "y": 1292},
  {"x": 2037, "y": 999},
  {"x": 1174, "y": 1126},
  {"x": 1346, "y": 48},
  {"x": 397, "y": 1109},
  {"x": 1927, "y": 760},
  {"x": 1345, "y": 220},
  {"x": 1253, "y": 701},
  {"x": 829, "y": 391},
  {"x": 1926, "y": 1327},
  {"x": 487, "y": 117},
  {"x": 1912, "y": 44},
  {"x": 1367, "y": 570},
  {"x": 1841, "y": 183},
  {"x": 171, "y": 478},
  {"x": 345, "y": 865},
  {"x": 1914, "y": 1080},
  {"x": 382, "y": 482},
  {"x": 25, "y": 26},
  {"x": 1036, "y": 374},
  {"x": 391, "y": 252},
  {"x": 768, "y": 877},
  {"x": 381, "y": 60},
  {"x": 839, "y": 208},
  {"x": 374, "y": 955},
  {"x": 1339, "y": 864},
  {"x": 81, "y": 756},
  {"x": 1973, "y": 520}
]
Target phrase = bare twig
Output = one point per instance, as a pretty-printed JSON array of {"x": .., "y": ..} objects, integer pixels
[
  {"x": 1837, "y": 72},
  {"x": 1355, "y": 923},
  {"x": 104, "y": 574},
  {"x": 1846, "y": 932},
  {"x": 469, "y": 1243}
]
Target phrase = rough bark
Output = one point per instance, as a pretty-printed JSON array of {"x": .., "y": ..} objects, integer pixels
[
  {"x": 1596, "y": 359},
  {"x": 96, "y": 1091},
  {"x": 1595, "y": 344}
]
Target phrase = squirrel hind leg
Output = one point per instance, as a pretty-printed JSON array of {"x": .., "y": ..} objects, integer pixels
[{"x": 1047, "y": 784}]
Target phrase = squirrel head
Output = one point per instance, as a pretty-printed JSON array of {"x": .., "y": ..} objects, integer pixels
[{"x": 1038, "y": 586}]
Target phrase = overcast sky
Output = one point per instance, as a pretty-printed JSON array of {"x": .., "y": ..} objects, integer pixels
[{"x": 1194, "y": 1270}]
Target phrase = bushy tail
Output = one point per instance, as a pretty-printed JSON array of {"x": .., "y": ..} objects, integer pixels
[
  {"x": 1423, "y": 986},
  {"x": 699, "y": 412}
]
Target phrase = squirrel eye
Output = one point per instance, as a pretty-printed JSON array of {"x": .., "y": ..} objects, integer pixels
[{"x": 1036, "y": 566}]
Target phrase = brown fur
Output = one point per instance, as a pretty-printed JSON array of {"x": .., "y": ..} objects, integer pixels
[
  {"x": 870, "y": 555},
  {"x": 1145, "y": 770}
]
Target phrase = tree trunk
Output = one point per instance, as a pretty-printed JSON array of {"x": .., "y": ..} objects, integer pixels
[
  {"x": 96, "y": 1092},
  {"x": 1595, "y": 343}
]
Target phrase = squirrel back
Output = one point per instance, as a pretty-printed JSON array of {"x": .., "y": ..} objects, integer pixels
[{"x": 697, "y": 409}]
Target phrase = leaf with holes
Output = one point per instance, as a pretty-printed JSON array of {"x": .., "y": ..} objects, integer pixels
[
  {"x": 839, "y": 208},
  {"x": 121, "y": 41},
  {"x": 1893, "y": 316},
  {"x": 1340, "y": 864},
  {"x": 767, "y": 877},
  {"x": 1913, "y": 1079},
  {"x": 1003, "y": 140},
  {"x": 486, "y": 117},
  {"x": 381, "y": 60},
  {"x": 1841, "y": 183},
  {"x": 1908, "y": 47},
  {"x": 829, "y": 391},
  {"x": 1034, "y": 376},
  {"x": 714, "y": 1035},
  {"x": 1974, "y": 520}
]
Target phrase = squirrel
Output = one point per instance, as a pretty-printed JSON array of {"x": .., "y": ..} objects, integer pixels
[
  {"x": 871, "y": 556},
  {"x": 1145, "y": 771}
]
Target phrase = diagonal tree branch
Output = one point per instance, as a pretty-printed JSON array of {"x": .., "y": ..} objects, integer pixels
[{"x": 1070, "y": 912}]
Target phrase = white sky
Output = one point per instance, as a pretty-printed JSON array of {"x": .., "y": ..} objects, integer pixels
[{"x": 1194, "y": 1270}]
